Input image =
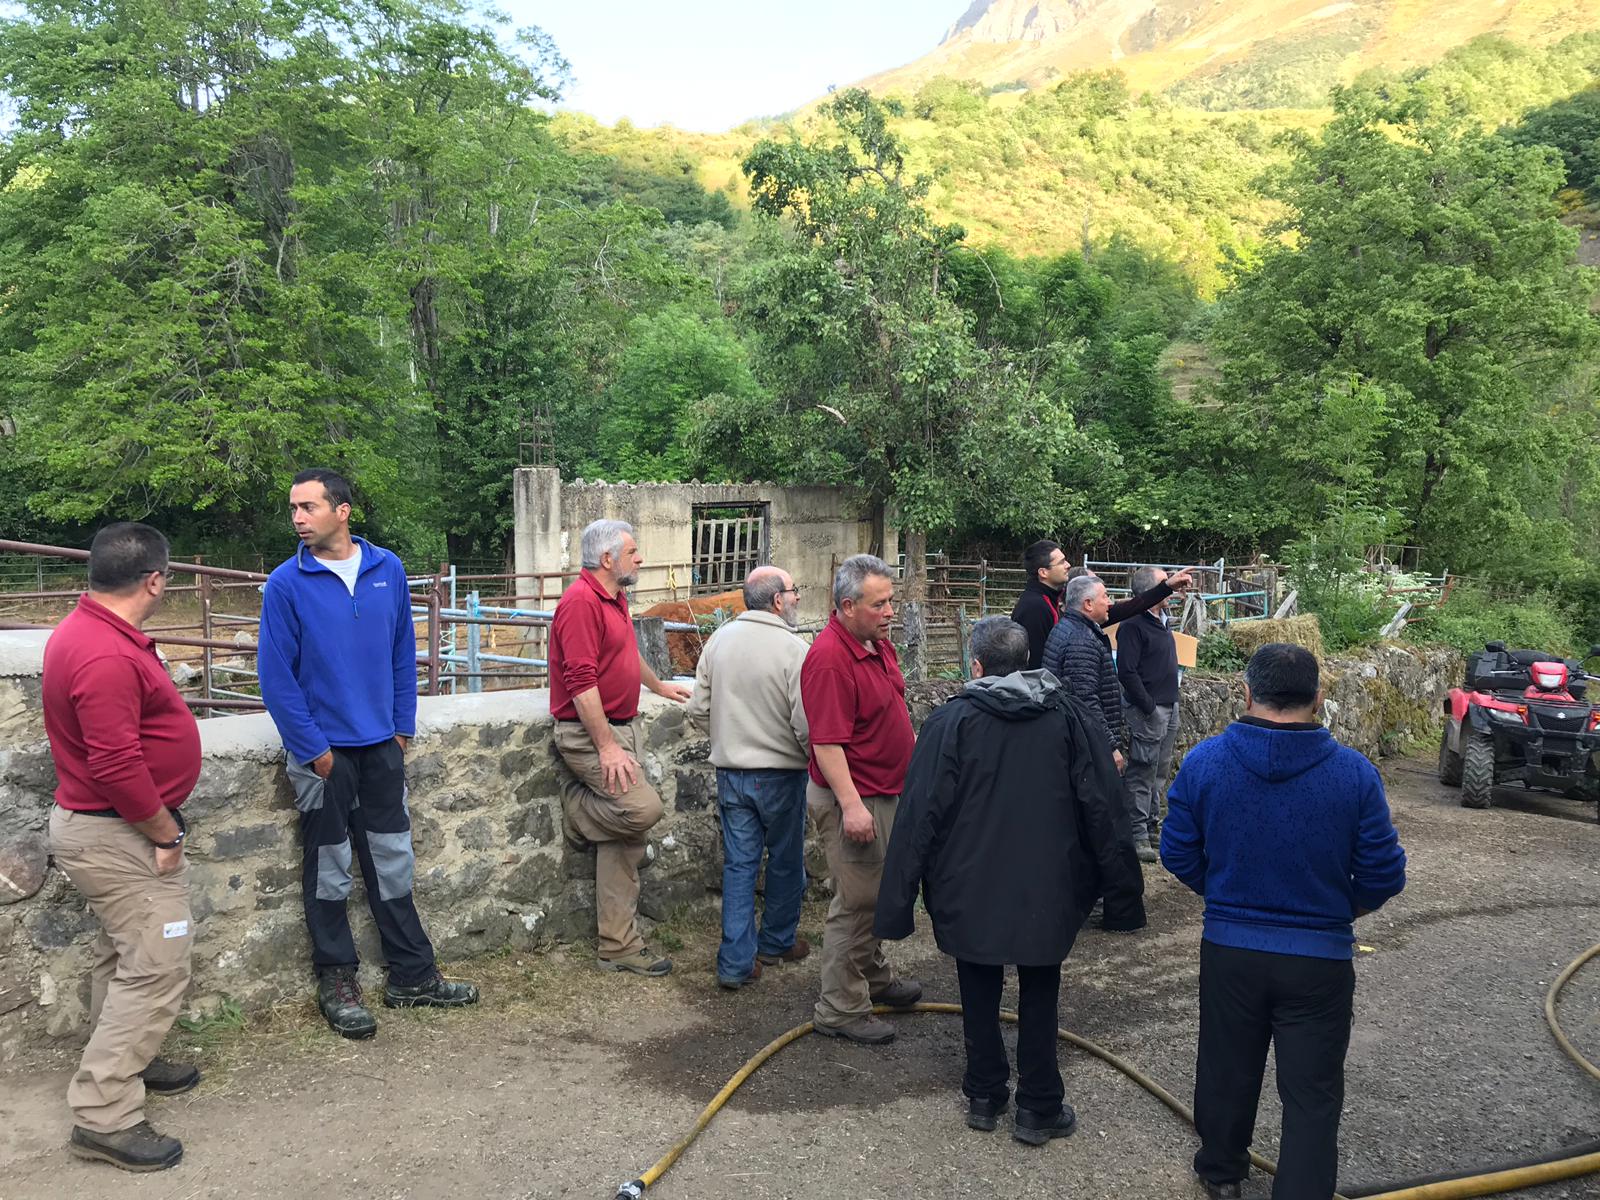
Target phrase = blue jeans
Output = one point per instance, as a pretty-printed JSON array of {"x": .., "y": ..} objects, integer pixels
[{"x": 760, "y": 810}]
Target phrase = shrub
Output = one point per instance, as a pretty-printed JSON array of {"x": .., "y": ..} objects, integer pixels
[{"x": 1473, "y": 616}]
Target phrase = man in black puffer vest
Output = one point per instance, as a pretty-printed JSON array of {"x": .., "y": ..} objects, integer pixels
[{"x": 1010, "y": 824}]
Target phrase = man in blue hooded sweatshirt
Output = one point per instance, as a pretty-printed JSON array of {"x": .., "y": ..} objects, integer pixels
[
  {"x": 1287, "y": 835},
  {"x": 338, "y": 667}
]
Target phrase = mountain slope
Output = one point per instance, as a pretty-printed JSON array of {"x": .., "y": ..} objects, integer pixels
[{"x": 1223, "y": 53}]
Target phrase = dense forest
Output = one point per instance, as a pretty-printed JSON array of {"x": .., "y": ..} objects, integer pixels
[{"x": 240, "y": 238}]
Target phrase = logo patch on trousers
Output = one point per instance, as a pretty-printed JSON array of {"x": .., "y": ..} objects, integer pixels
[{"x": 174, "y": 929}]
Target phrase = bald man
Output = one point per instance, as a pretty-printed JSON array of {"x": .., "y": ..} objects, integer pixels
[{"x": 747, "y": 692}]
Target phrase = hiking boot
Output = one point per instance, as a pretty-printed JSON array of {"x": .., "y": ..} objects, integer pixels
[
  {"x": 163, "y": 1078},
  {"x": 643, "y": 961},
  {"x": 902, "y": 993},
  {"x": 437, "y": 992},
  {"x": 869, "y": 1031},
  {"x": 1231, "y": 1190},
  {"x": 339, "y": 998},
  {"x": 793, "y": 954},
  {"x": 1036, "y": 1130},
  {"x": 1146, "y": 852},
  {"x": 983, "y": 1115},
  {"x": 138, "y": 1149},
  {"x": 733, "y": 985}
]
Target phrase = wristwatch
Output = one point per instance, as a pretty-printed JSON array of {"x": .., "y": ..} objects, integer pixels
[{"x": 183, "y": 832}]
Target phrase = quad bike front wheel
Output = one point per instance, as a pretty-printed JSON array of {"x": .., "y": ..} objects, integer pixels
[
  {"x": 1449, "y": 760},
  {"x": 1477, "y": 770}
]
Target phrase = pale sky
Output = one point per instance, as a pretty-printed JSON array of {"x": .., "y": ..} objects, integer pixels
[{"x": 709, "y": 64}]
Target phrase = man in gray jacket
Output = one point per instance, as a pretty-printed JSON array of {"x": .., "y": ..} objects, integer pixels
[{"x": 747, "y": 692}]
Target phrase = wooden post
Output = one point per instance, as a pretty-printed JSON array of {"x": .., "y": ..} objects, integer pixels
[
  {"x": 435, "y": 603},
  {"x": 915, "y": 662},
  {"x": 964, "y": 639},
  {"x": 206, "y": 654},
  {"x": 983, "y": 587}
]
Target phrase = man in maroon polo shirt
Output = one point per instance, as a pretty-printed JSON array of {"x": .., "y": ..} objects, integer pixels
[
  {"x": 861, "y": 739},
  {"x": 595, "y": 674},
  {"x": 127, "y": 753}
]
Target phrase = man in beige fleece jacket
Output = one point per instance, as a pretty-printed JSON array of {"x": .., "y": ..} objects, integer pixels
[{"x": 747, "y": 691}]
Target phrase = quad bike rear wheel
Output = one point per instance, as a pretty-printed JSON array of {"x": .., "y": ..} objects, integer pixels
[
  {"x": 1477, "y": 771},
  {"x": 1449, "y": 760}
]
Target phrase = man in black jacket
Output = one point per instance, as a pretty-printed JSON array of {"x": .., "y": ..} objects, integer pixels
[
  {"x": 1147, "y": 666},
  {"x": 1040, "y": 606},
  {"x": 1078, "y": 653},
  {"x": 1009, "y": 825}
]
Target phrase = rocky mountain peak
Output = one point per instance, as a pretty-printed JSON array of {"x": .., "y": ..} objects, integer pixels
[{"x": 1008, "y": 21}]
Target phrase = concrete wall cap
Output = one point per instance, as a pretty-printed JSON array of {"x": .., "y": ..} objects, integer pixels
[{"x": 22, "y": 651}]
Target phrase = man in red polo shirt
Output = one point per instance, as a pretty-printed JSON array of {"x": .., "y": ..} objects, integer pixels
[
  {"x": 127, "y": 753},
  {"x": 855, "y": 702},
  {"x": 595, "y": 674}
]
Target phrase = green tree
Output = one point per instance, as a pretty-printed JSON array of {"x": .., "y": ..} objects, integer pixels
[
  {"x": 857, "y": 329},
  {"x": 1424, "y": 313}
]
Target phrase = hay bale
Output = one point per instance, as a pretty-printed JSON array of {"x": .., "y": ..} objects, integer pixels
[{"x": 1302, "y": 630}]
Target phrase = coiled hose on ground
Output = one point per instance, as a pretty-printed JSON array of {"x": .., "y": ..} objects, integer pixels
[{"x": 1566, "y": 1162}]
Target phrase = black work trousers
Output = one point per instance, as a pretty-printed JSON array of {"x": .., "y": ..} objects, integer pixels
[
  {"x": 1303, "y": 1006},
  {"x": 1039, "y": 1087},
  {"x": 360, "y": 811}
]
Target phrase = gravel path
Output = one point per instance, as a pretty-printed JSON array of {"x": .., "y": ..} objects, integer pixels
[{"x": 567, "y": 1083}]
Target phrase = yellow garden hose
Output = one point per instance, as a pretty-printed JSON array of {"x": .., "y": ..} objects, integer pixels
[
  {"x": 1550, "y": 998},
  {"x": 1585, "y": 1160}
]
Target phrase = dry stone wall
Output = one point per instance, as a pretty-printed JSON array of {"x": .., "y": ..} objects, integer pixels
[{"x": 492, "y": 868}]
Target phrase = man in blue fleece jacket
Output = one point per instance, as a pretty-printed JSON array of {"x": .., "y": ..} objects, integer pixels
[
  {"x": 338, "y": 667},
  {"x": 1287, "y": 835}
]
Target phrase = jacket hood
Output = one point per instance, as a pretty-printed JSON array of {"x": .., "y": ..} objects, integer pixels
[
  {"x": 1278, "y": 754},
  {"x": 1019, "y": 696}
]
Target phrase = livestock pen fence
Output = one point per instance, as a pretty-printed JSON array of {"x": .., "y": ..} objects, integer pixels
[
  {"x": 960, "y": 593},
  {"x": 474, "y": 632}
]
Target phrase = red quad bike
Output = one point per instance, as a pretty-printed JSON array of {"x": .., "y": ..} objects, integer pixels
[{"x": 1521, "y": 717}]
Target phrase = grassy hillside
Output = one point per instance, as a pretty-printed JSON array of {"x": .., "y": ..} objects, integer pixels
[
  {"x": 1087, "y": 158},
  {"x": 1245, "y": 53}
]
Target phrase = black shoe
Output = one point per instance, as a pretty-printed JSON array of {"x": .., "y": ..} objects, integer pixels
[
  {"x": 902, "y": 993},
  {"x": 1223, "y": 1191},
  {"x": 1036, "y": 1130},
  {"x": 985, "y": 1114},
  {"x": 437, "y": 992},
  {"x": 163, "y": 1078},
  {"x": 138, "y": 1149},
  {"x": 339, "y": 998}
]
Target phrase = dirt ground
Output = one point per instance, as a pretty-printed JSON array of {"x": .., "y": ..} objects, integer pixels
[{"x": 565, "y": 1082}]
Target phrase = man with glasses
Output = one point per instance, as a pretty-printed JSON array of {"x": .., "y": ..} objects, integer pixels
[
  {"x": 747, "y": 693},
  {"x": 861, "y": 738},
  {"x": 127, "y": 753}
]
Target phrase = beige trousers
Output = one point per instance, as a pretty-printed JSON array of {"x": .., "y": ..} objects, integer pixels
[
  {"x": 853, "y": 965},
  {"x": 141, "y": 963},
  {"x": 619, "y": 827}
]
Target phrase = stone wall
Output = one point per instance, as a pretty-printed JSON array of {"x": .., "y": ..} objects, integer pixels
[
  {"x": 1381, "y": 701},
  {"x": 810, "y": 528},
  {"x": 492, "y": 868}
]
